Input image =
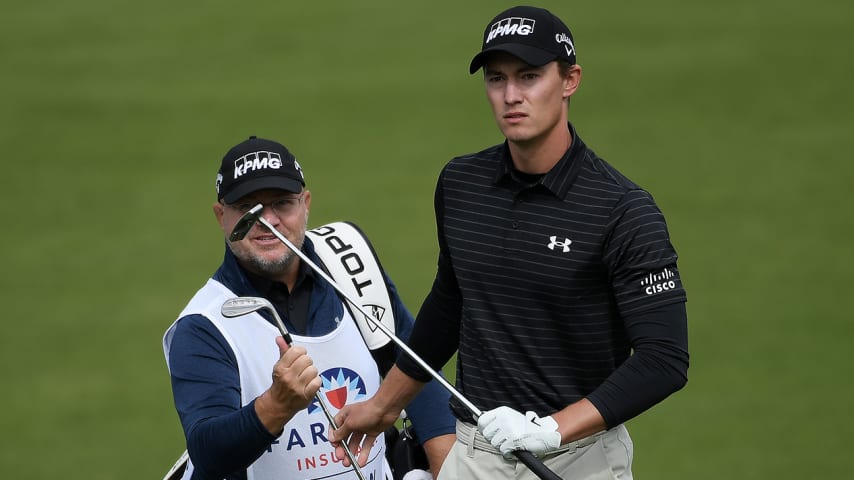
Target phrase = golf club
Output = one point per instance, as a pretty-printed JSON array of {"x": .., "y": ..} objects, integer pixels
[
  {"x": 236, "y": 307},
  {"x": 245, "y": 224},
  {"x": 177, "y": 470}
]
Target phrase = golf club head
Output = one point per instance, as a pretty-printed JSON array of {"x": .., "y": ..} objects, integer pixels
[
  {"x": 238, "y": 306},
  {"x": 245, "y": 223}
]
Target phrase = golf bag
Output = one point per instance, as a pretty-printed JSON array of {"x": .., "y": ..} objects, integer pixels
[
  {"x": 349, "y": 258},
  {"x": 403, "y": 451}
]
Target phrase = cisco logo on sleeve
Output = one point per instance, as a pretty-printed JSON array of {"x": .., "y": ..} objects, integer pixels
[{"x": 659, "y": 282}]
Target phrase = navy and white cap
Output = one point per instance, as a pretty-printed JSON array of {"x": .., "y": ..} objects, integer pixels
[
  {"x": 257, "y": 164},
  {"x": 534, "y": 35}
]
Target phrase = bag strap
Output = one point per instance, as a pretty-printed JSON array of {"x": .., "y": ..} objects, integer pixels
[{"x": 351, "y": 261}]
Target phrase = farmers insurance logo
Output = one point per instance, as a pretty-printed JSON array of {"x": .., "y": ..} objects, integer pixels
[
  {"x": 659, "y": 282},
  {"x": 510, "y": 26},
  {"x": 340, "y": 386},
  {"x": 257, "y": 161}
]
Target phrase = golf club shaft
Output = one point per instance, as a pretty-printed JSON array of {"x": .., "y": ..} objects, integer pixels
[
  {"x": 317, "y": 396},
  {"x": 403, "y": 346},
  {"x": 347, "y": 451},
  {"x": 331, "y": 419},
  {"x": 248, "y": 220},
  {"x": 532, "y": 462}
]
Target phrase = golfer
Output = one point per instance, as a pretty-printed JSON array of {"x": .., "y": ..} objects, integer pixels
[{"x": 557, "y": 283}]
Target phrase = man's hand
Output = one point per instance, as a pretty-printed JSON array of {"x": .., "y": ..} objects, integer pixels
[
  {"x": 360, "y": 424},
  {"x": 295, "y": 381},
  {"x": 509, "y": 430}
]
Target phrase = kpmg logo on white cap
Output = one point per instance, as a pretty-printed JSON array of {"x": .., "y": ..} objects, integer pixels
[
  {"x": 256, "y": 161},
  {"x": 510, "y": 26}
]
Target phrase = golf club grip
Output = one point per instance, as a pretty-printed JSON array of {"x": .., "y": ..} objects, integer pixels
[{"x": 536, "y": 465}]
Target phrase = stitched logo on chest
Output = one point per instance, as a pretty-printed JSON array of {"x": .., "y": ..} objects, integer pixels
[{"x": 557, "y": 244}]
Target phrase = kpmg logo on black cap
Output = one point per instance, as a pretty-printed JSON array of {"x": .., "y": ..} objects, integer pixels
[
  {"x": 256, "y": 161},
  {"x": 257, "y": 164},
  {"x": 510, "y": 26}
]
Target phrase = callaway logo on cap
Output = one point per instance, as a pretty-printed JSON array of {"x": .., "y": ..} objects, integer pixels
[
  {"x": 534, "y": 35},
  {"x": 257, "y": 164}
]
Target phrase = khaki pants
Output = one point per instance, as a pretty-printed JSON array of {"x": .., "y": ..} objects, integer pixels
[{"x": 605, "y": 456}]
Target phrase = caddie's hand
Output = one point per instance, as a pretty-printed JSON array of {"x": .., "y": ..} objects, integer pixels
[
  {"x": 509, "y": 430},
  {"x": 295, "y": 378},
  {"x": 360, "y": 424},
  {"x": 295, "y": 381}
]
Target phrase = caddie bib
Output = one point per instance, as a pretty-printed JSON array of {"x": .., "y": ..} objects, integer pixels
[{"x": 348, "y": 373}]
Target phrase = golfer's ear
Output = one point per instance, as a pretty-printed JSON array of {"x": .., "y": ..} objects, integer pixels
[{"x": 572, "y": 81}]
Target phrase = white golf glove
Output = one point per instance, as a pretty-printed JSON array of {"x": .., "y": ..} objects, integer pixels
[
  {"x": 418, "y": 474},
  {"x": 509, "y": 430}
]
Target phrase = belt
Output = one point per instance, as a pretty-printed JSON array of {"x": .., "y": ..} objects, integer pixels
[{"x": 468, "y": 434}]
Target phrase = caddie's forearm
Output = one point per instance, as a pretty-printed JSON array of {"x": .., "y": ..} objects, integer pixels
[
  {"x": 229, "y": 443},
  {"x": 273, "y": 418}
]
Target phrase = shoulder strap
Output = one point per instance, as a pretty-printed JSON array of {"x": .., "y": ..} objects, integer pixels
[{"x": 352, "y": 262}]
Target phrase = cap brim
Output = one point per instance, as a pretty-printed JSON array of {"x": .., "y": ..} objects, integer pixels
[
  {"x": 530, "y": 55},
  {"x": 262, "y": 183}
]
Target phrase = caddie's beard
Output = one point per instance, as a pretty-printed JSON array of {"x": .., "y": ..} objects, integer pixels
[{"x": 262, "y": 265}]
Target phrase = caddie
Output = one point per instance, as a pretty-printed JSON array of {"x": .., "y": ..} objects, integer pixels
[{"x": 244, "y": 398}]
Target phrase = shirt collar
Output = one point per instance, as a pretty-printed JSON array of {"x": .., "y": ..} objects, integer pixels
[
  {"x": 266, "y": 287},
  {"x": 559, "y": 178}
]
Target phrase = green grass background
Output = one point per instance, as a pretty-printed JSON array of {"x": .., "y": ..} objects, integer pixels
[{"x": 736, "y": 115}]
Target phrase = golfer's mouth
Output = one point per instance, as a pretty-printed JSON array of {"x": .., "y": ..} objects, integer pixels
[{"x": 514, "y": 116}]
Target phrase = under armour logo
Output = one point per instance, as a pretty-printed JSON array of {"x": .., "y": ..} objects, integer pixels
[{"x": 564, "y": 244}]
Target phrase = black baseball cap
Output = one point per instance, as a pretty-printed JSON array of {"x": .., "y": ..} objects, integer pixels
[
  {"x": 534, "y": 35},
  {"x": 256, "y": 164}
]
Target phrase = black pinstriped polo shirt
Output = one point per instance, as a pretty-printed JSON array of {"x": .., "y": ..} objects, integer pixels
[{"x": 549, "y": 284}]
